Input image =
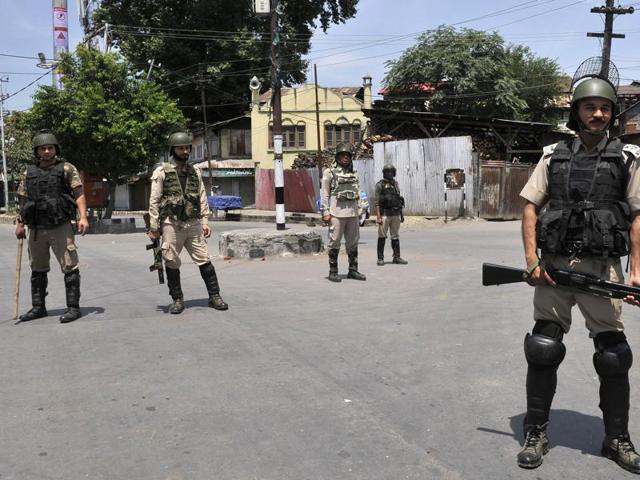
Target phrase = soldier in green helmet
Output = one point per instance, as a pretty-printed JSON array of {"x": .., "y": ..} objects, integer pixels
[
  {"x": 389, "y": 204},
  {"x": 340, "y": 208},
  {"x": 582, "y": 213},
  {"x": 50, "y": 197},
  {"x": 179, "y": 211}
]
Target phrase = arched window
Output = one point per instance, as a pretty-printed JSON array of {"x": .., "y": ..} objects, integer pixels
[
  {"x": 293, "y": 135},
  {"x": 342, "y": 132}
]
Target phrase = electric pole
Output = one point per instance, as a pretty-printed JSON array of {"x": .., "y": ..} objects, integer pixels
[
  {"x": 60, "y": 38},
  {"x": 276, "y": 104},
  {"x": 315, "y": 81},
  {"x": 4, "y": 155},
  {"x": 205, "y": 146},
  {"x": 609, "y": 10}
]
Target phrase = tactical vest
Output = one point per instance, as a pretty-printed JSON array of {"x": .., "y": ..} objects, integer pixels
[
  {"x": 390, "y": 200},
  {"x": 176, "y": 203},
  {"x": 50, "y": 200},
  {"x": 344, "y": 185},
  {"x": 587, "y": 212}
]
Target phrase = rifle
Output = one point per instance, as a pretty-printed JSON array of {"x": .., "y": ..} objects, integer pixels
[
  {"x": 493, "y": 274},
  {"x": 157, "y": 252}
]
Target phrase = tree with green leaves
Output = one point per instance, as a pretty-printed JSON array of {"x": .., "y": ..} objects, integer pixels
[
  {"x": 231, "y": 45},
  {"x": 473, "y": 72},
  {"x": 109, "y": 122},
  {"x": 18, "y": 143}
]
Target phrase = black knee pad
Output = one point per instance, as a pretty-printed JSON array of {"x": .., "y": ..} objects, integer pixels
[
  {"x": 613, "y": 354},
  {"x": 543, "y": 347}
]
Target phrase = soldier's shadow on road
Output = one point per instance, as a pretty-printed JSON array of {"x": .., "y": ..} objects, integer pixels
[
  {"x": 567, "y": 428},
  {"x": 196, "y": 302}
]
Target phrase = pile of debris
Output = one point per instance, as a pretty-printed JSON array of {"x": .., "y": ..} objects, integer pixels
[
  {"x": 314, "y": 160},
  {"x": 365, "y": 148},
  {"x": 363, "y": 151},
  {"x": 487, "y": 148}
]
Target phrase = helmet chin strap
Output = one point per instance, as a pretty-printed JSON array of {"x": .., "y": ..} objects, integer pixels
[
  {"x": 582, "y": 128},
  {"x": 599, "y": 133}
]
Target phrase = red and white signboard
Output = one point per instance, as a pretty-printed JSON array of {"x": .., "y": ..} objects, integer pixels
[
  {"x": 60, "y": 38},
  {"x": 60, "y": 20}
]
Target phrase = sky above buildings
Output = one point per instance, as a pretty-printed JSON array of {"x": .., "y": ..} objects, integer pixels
[{"x": 380, "y": 32}]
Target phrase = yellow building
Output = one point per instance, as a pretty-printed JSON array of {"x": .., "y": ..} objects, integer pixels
[{"x": 341, "y": 119}]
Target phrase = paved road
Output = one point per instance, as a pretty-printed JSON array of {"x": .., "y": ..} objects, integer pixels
[{"x": 417, "y": 373}]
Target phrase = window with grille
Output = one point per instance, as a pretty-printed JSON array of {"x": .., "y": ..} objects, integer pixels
[
  {"x": 335, "y": 134},
  {"x": 293, "y": 137}
]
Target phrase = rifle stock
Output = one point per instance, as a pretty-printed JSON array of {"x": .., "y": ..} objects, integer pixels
[{"x": 493, "y": 274}]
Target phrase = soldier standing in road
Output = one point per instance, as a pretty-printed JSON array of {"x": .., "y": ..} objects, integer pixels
[
  {"x": 178, "y": 210},
  {"x": 340, "y": 208},
  {"x": 389, "y": 204},
  {"x": 591, "y": 189},
  {"x": 49, "y": 194}
]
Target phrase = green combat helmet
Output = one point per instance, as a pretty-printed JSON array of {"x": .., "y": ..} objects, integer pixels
[
  {"x": 343, "y": 148},
  {"x": 45, "y": 137},
  {"x": 180, "y": 139},
  {"x": 592, "y": 87},
  {"x": 389, "y": 167}
]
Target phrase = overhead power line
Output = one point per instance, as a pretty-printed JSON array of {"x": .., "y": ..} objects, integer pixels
[{"x": 29, "y": 84}]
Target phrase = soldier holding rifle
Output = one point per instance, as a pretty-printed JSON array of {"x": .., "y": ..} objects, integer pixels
[
  {"x": 179, "y": 212},
  {"x": 590, "y": 188}
]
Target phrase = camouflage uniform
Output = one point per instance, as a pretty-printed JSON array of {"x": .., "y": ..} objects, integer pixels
[
  {"x": 340, "y": 197},
  {"x": 178, "y": 208}
]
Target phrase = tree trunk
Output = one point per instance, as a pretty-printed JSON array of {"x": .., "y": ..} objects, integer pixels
[{"x": 111, "y": 205}]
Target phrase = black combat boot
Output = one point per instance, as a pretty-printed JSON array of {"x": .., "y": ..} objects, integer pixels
[
  {"x": 38, "y": 294},
  {"x": 621, "y": 450},
  {"x": 210, "y": 278},
  {"x": 381, "y": 242},
  {"x": 353, "y": 266},
  {"x": 175, "y": 290},
  {"x": 333, "y": 265},
  {"x": 395, "y": 245},
  {"x": 536, "y": 444},
  {"x": 72, "y": 288},
  {"x": 544, "y": 352},
  {"x": 612, "y": 360}
]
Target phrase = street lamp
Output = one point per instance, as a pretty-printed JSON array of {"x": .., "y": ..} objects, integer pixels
[{"x": 47, "y": 65}]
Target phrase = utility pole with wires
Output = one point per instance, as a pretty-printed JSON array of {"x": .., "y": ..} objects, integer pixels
[
  {"x": 4, "y": 155},
  {"x": 276, "y": 103},
  {"x": 60, "y": 37},
  {"x": 609, "y": 10},
  {"x": 205, "y": 146}
]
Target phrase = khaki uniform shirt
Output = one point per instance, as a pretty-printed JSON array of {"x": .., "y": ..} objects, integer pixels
[
  {"x": 537, "y": 188},
  {"x": 71, "y": 175},
  {"x": 157, "y": 185},
  {"x": 330, "y": 204}
]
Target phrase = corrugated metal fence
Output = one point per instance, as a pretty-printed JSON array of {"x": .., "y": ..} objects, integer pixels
[
  {"x": 500, "y": 188},
  {"x": 420, "y": 166},
  {"x": 300, "y": 192}
]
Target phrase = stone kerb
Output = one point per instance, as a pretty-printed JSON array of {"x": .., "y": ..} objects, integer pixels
[
  {"x": 112, "y": 225},
  {"x": 264, "y": 242}
]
